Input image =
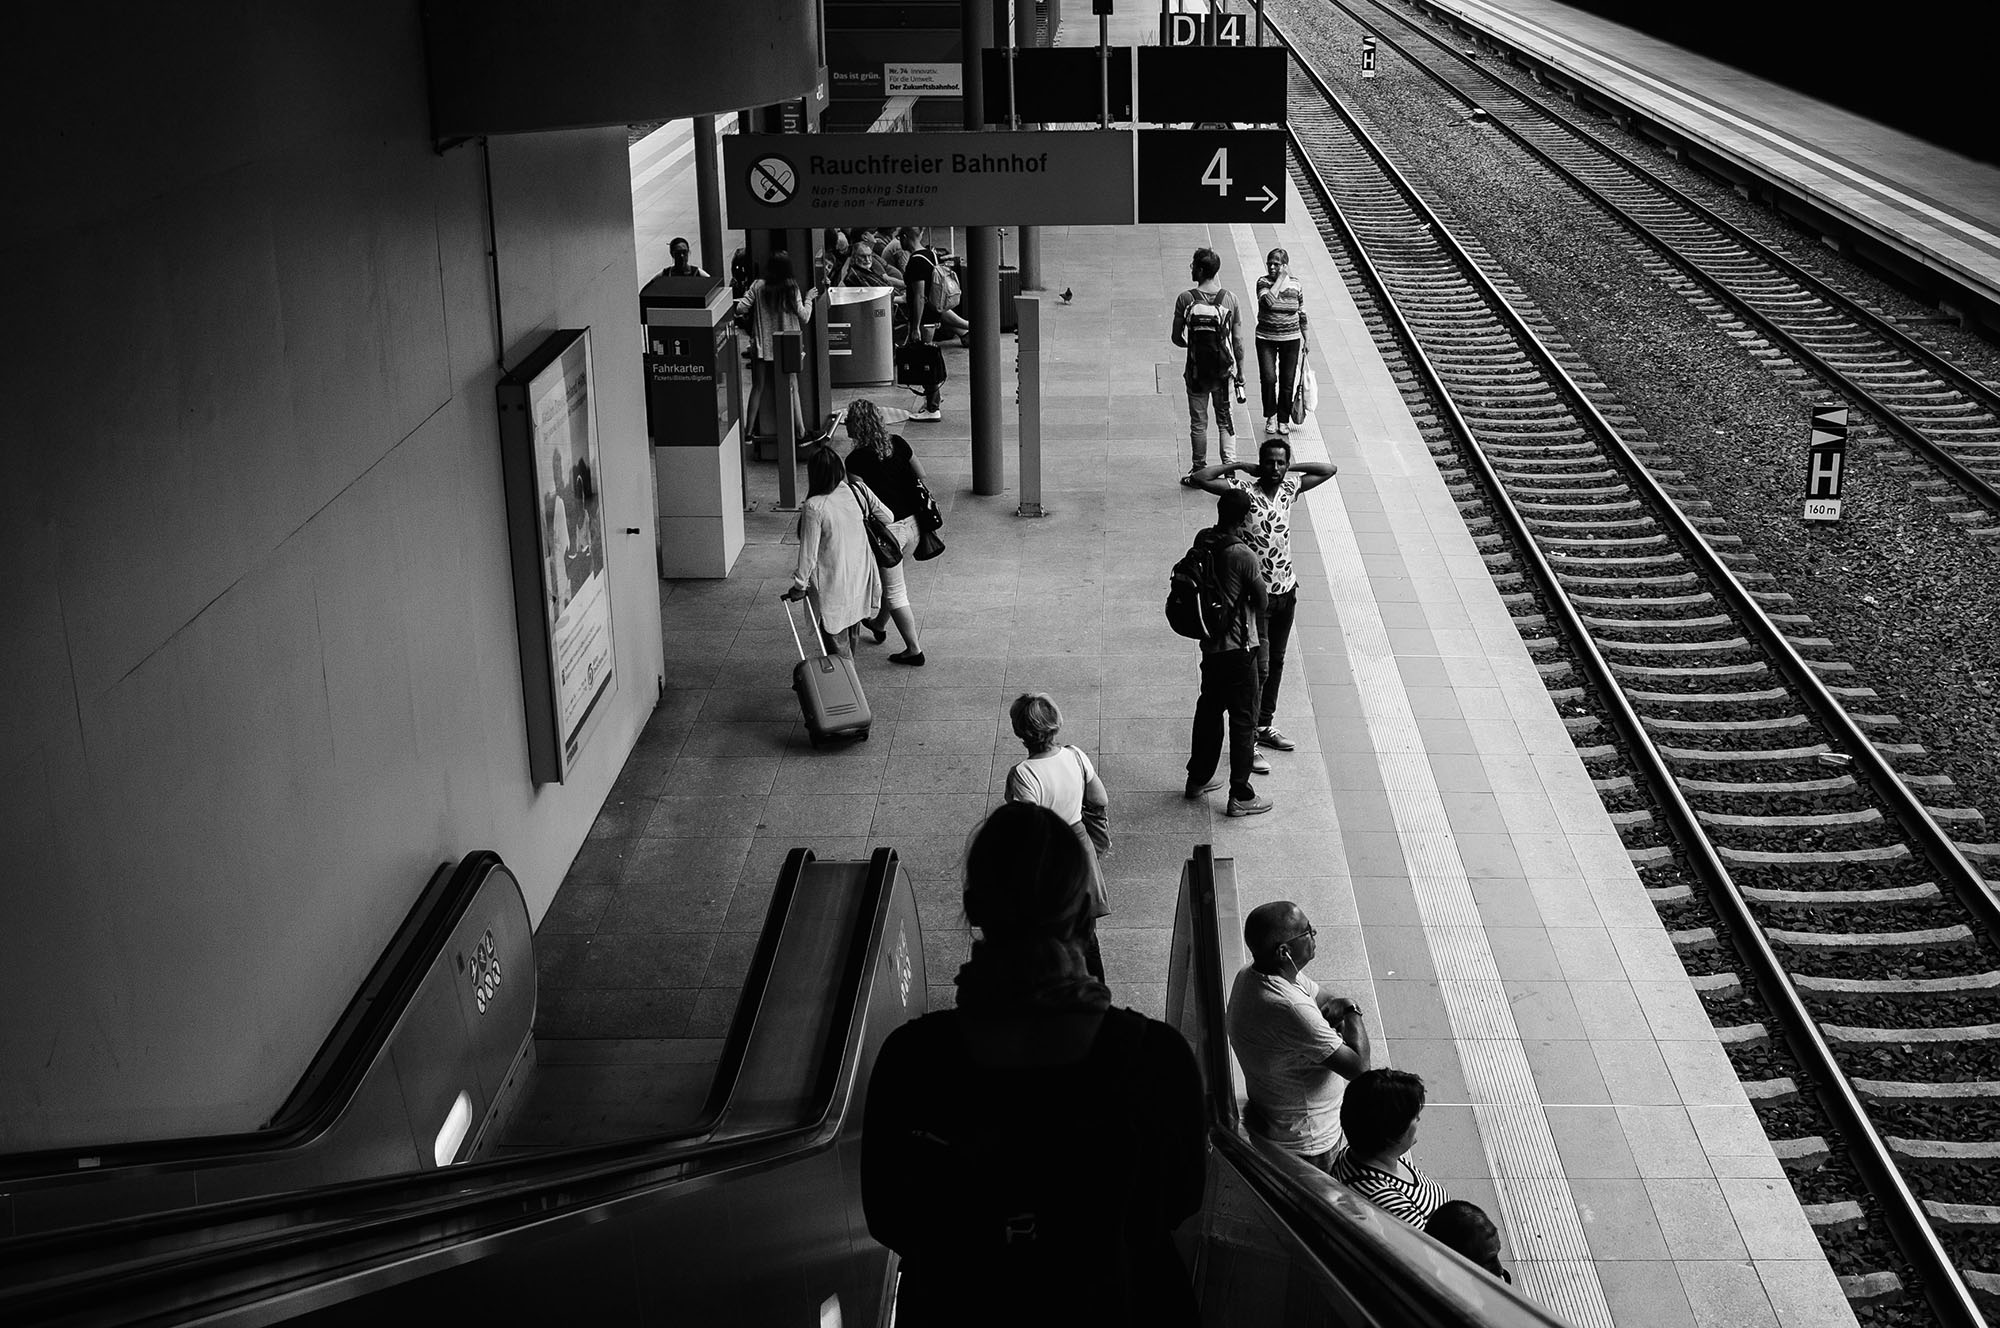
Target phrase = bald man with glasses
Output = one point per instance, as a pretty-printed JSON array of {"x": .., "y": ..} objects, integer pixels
[{"x": 1298, "y": 1045}]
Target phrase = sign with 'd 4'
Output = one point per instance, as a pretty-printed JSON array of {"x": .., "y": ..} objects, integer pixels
[{"x": 1204, "y": 29}]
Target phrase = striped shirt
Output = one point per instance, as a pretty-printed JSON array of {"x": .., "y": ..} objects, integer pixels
[
  {"x": 1411, "y": 1200},
  {"x": 1278, "y": 305}
]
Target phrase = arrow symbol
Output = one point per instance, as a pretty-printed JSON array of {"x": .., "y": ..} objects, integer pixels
[{"x": 1270, "y": 199}]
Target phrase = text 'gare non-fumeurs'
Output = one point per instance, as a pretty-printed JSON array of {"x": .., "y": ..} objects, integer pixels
[{"x": 956, "y": 163}]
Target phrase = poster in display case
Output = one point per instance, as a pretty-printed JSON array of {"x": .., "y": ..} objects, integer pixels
[{"x": 555, "y": 523}]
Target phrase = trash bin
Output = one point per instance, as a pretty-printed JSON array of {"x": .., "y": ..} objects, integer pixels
[{"x": 858, "y": 344}]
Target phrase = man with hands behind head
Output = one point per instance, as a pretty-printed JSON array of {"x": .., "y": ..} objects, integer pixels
[
  {"x": 1273, "y": 483},
  {"x": 1297, "y": 1044}
]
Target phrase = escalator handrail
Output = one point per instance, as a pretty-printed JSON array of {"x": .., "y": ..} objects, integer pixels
[
  {"x": 1395, "y": 1289},
  {"x": 330, "y": 1079},
  {"x": 401, "y": 1218}
]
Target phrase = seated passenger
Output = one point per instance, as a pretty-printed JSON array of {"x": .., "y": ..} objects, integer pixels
[
  {"x": 866, "y": 268},
  {"x": 1379, "y": 1116},
  {"x": 1465, "y": 1228},
  {"x": 1297, "y": 1044},
  {"x": 1029, "y": 1153}
]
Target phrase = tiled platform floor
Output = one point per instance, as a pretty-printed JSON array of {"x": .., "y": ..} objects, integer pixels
[{"x": 1435, "y": 821}]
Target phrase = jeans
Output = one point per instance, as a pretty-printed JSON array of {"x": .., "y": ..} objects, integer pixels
[
  {"x": 1277, "y": 373},
  {"x": 1199, "y": 399},
  {"x": 1276, "y": 630},
  {"x": 1228, "y": 687}
]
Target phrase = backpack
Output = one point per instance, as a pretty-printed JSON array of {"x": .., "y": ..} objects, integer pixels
[
  {"x": 1210, "y": 359},
  {"x": 1038, "y": 1204},
  {"x": 1196, "y": 606},
  {"x": 945, "y": 290}
]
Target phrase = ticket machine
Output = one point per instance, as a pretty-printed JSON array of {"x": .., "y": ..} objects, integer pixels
[{"x": 694, "y": 375}]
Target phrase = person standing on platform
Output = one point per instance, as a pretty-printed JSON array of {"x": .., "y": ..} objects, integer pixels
[
  {"x": 1063, "y": 780},
  {"x": 1274, "y": 484},
  {"x": 921, "y": 314},
  {"x": 774, "y": 303},
  {"x": 1379, "y": 1116},
  {"x": 1281, "y": 339},
  {"x": 1229, "y": 666},
  {"x": 678, "y": 251},
  {"x": 1209, "y": 326},
  {"x": 1297, "y": 1044}
]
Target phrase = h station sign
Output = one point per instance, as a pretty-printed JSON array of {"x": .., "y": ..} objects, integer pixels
[{"x": 1826, "y": 459}]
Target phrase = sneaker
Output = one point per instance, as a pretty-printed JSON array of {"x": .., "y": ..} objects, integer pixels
[
  {"x": 1195, "y": 469},
  {"x": 1250, "y": 807},
  {"x": 1284, "y": 426},
  {"x": 1270, "y": 424},
  {"x": 926, "y": 416},
  {"x": 1195, "y": 790},
  {"x": 1270, "y": 736},
  {"x": 1258, "y": 765}
]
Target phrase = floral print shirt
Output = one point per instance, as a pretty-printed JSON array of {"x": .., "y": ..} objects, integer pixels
[{"x": 1270, "y": 530}]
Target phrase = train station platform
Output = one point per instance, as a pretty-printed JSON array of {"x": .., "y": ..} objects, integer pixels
[
  {"x": 1435, "y": 821},
  {"x": 1922, "y": 203}
]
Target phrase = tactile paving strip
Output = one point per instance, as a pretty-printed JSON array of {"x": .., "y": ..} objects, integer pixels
[{"x": 1538, "y": 1209}]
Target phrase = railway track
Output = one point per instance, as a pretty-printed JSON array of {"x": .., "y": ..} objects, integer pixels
[
  {"x": 1809, "y": 864},
  {"x": 1776, "y": 308}
]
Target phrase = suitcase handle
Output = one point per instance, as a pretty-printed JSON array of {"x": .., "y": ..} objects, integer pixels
[{"x": 792, "y": 623}]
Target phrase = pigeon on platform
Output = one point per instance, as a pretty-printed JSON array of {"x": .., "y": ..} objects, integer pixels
[{"x": 1067, "y": 292}]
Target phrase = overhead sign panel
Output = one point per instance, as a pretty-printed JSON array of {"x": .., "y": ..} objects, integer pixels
[
  {"x": 1211, "y": 175},
  {"x": 1212, "y": 84},
  {"x": 1204, "y": 29},
  {"x": 1081, "y": 178},
  {"x": 1057, "y": 84}
]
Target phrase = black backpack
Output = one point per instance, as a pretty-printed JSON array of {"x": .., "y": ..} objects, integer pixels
[
  {"x": 1037, "y": 1201},
  {"x": 1196, "y": 606},
  {"x": 1210, "y": 359}
]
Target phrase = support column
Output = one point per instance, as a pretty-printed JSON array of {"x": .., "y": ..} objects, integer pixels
[
  {"x": 708, "y": 199},
  {"x": 1028, "y": 239},
  {"x": 982, "y": 274}
]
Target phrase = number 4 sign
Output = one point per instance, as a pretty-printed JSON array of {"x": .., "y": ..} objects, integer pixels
[{"x": 1211, "y": 175}]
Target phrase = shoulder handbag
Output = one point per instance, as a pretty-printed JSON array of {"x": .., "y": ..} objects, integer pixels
[
  {"x": 1305, "y": 392},
  {"x": 882, "y": 541},
  {"x": 1096, "y": 820},
  {"x": 929, "y": 546}
]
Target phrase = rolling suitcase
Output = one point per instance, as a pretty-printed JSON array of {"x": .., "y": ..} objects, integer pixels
[{"x": 829, "y": 691}]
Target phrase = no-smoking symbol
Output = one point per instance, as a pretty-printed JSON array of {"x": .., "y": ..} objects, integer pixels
[{"x": 773, "y": 180}]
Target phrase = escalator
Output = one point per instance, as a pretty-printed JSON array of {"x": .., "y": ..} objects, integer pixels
[{"x": 752, "y": 1215}]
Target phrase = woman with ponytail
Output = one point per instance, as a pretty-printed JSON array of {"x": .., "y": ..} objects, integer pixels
[{"x": 1030, "y": 1152}]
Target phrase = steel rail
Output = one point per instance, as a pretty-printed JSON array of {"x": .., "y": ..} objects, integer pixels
[
  {"x": 1964, "y": 880},
  {"x": 1975, "y": 485},
  {"x": 1914, "y": 1236}
]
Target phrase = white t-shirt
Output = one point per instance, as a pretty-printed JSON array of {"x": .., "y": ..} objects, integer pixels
[
  {"x": 1055, "y": 781},
  {"x": 1282, "y": 1041}
]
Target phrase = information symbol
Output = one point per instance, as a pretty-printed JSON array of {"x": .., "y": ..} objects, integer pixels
[{"x": 772, "y": 180}]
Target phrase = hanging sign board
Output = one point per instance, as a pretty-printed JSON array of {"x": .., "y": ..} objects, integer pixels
[
  {"x": 1204, "y": 29},
  {"x": 1082, "y": 178},
  {"x": 1211, "y": 175},
  {"x": 1826, "y": 458},
  {"x": 1212, "y": 84}
]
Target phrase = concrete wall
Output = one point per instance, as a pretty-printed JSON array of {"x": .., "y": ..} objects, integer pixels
[{"x": 258, "y": 666}]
